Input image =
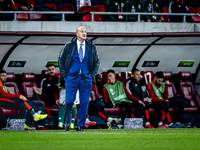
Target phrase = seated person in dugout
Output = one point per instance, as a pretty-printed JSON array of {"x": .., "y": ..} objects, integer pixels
[
  {"x": 152, "y": 6},
  {"x": 137, "y": 88},
  {"x": 16, "y": 101},
  {"x": 115, "y": 93},
  {"x": 96, "y": 107},
  {"x": 49, "y": 93},
  {"x": 159, "y": 93}
]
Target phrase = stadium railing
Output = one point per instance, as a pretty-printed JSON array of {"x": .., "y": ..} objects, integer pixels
[{"x": 63, "y": 13}]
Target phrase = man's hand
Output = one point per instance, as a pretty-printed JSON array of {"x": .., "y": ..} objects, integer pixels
[
  {"x": 64, "y": 103},
  {"x": 141, "y": 102},
  {"x": 90, "y": 99},
  {"x": 114, "y": 106},
  {"x": 150, "y": 100},
  {"x": 167, "y": 82},
  {"x": 57, "y": 102},
  {"x": 148, "y": 20},
  {"x": 145, "y": 99},
  {"x": 31, "y": 9},
  {"x": 24, "y": 8},
  {"x": 37, "y": 90},
  {"x": 23, "y": 97},
  {"x": 167, "y": 100}
]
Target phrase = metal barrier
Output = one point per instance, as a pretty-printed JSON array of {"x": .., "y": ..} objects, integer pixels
[{"x": 139, "y": 14}]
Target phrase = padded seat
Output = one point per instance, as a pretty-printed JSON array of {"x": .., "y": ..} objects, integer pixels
[
  {"x": 52, "y": 6},
  {"x": 53, "y": 111},
  {"x": 187, "y": 89},
  {"x": 112, "y": 111},
  {"x": 66, "y": 8},
  {"x": 165, "y": 18},
  {"x": 8, "y": 112},
  {"x": 11, "y": 84},
  {"x": 86, "y": 9},
  {"x": 22, "y": 17},
  {"x": 28, "y": 81},
  {"x": 147, "y": 76},
  {"x": 99, "y": 8},
  {"x": 37, "y": 17},
  {"x": 123, "y": 76}
]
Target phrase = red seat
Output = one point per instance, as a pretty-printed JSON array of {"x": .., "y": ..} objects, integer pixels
[
  {"x": 113, "y": 111},
  {"x": 187, "y": 88},
  {"x": 37, "y": 17},
  {"x": 196, "y": 18},
  {"x": 192, "y": 11},
  {"x": 102, "y": 78},
  {"x": 11, "y": 84},
  {"x": 28, "y": 81},
  {"x": 95, "y": 92},
  {"x": 86, "y": 9},
  {"x": 99, "y": 8},
  {"x": 165, "y": 18},
  {"x": 123, "y": 76},
  {"x": 43, "y": 73},
  {"x": 66, "y": 8},
  {"x": 52, "y": 6},
  {"x": 171, "y": 88},
  {"x": 147, "y": 76},
  {"x": 22, "y": 17}
]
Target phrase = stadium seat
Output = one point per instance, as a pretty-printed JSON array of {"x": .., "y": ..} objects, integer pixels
[
  {"x": 165, "y": 18},
  {"x": 103, "y": 78},
  {"x": 11, "y": 84},
  {"x": 187, "y": 88},
  {"x": 28, "y": 81},
  {"x": 52, "y": 6},
  {"x": 86, "y": 9},
  {"x": 22, "y": 17},
  {"x": 147, "y": 76},
  {"x": 37, "y": 17},
  {"x": 95, "y": 92},
  {"x": 196, "y": 18},
  {"x": 99, "y": 8},
  {"x": 43, "y": 73},
  {"x": 66, "y": 8},
  {"x": 123, "y": 76},
  {"x": 171, "y": 88}
]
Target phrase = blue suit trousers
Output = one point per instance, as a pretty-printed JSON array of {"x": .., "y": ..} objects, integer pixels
[{"x": 72, "y": 85}]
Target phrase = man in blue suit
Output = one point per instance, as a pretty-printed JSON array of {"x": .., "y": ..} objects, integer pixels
[{"x": 78, "y": 64}]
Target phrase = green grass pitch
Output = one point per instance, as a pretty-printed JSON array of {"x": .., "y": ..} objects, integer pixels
[{"x": 92, "y": 139}]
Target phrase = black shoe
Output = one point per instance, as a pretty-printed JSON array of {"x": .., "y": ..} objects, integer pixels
[
  {"x": 67, "y": 126},
  {"x": 79, "y": 129}
]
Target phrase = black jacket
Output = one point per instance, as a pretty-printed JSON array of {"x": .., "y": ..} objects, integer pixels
[
  {"x": 47, "y": 88},
  {"x": 176, "y": 7},
  {"x": 155, "y": 9},
  {"x": 66, "y": 56},
  {"x": 137, "y": 89}
]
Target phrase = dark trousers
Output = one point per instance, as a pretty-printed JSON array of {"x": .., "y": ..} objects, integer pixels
[
  {"x": 139, "y": 109},
  {"x": 128, "y": 108},
  {"x": 14, "y": 103},
  {"x": 160, "y": 106},
  {"x": 95, "y": 109},
  {"x": 179, "y": 105}
]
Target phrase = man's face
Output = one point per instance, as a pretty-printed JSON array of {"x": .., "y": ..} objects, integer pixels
[
  {"x": 158, "y": 80},
  {"x": 136, "y": 75},
  {"x": 111, "y": 77},
  {"x": 81, "y": 33},
  {"x": 51, "y": 70},
  {"x": 151, "y": 1},
  {"x": 3, "y": 77}
]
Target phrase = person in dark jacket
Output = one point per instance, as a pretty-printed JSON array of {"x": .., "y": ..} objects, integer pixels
[
  {"x": 7, "y": 5},
  {"x": 153, "y": 6},
  {"x": 137, "y": 88},
  {"x": 114, "y": 6},
  {"x": 140, "y": 7},
  {"x": 130, "y": 6},
  {"x": 179, "y": 6},
  {"x": 78, "y": 64}
]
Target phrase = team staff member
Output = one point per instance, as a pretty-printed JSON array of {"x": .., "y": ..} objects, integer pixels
[
  {"x": 78, "y": 64},
  {"x": 159, "y": 92},
  {"x": 16, "y": 101},
  {"x": 153, "y": 6},
  {"x": 138, "y": 89},
  {"x": 49, "y": 92},
  {"x": 115, "y": 93}
]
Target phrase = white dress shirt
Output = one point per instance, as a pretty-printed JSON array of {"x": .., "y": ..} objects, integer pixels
[{"x": 83, "y": 47}]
